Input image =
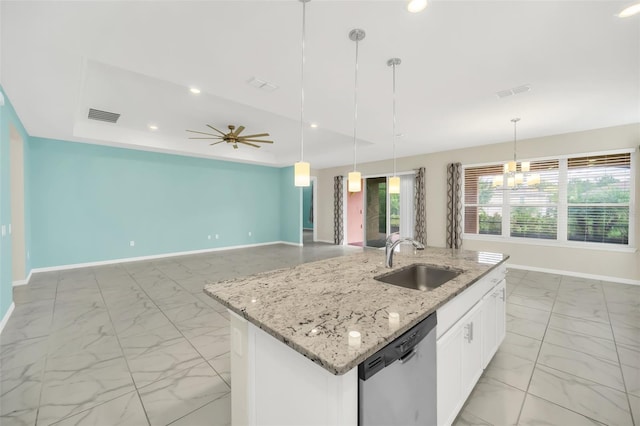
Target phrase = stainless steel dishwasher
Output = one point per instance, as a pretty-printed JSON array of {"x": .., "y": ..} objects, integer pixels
[{"x": 397, "y": 385}]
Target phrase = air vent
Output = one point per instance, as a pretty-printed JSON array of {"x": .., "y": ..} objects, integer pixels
[
  {"x": 109, "y": 117},
  {"x": 262, "y": 84},
  {"x": 513, "y": 91}
]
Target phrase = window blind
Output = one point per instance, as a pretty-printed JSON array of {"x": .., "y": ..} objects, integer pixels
[
  {"x": 598, "y": 198},
  {"x": 483, "y": 200},
  {"x": 533, "y": 209}
]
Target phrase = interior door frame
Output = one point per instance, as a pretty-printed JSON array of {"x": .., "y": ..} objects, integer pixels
[{"x": 345, "y": 194}]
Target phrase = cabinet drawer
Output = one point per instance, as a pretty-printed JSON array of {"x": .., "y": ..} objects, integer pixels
[{"x": 457, "y": 307}]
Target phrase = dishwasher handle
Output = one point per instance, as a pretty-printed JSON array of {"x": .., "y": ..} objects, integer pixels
[{"x": 408, "y": 356}]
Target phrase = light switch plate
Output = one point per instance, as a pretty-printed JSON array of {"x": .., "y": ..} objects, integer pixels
[
  {"x": 4, "y": 230},
  {"x": 132, "y": 243}
]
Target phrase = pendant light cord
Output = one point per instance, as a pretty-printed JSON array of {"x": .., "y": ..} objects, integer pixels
[
  {"x": 394, "y": 119},
  {"x": 304, "y": 20},
  {"x": 515, "y": 138},
  {"x": 355, "y": 109}
]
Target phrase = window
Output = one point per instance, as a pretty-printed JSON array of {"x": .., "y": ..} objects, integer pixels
[
  {"x": 483, "y": 201},
  {"x": 598, "y": 196},
  {"x": 585, "y": 199},
  {"x": 533, "y": 209}
]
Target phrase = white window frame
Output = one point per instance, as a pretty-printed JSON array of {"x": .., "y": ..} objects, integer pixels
[{"x": 561, "y": 240}]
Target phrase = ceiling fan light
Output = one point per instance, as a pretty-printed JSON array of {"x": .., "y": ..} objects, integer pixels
[
  {"x": 394, "y": 185},
  {"x": 355, "y": 182},
  {"x": 510, "y": 167},
  {"x": 525, "y": 166},
  {"x": 519, "y": 178},
  {"x": 511, "y": 182},
  {"x": 302, "y": 173},
  {"x": 415, "y": 6},
  {"x": 498, "y": 180}
]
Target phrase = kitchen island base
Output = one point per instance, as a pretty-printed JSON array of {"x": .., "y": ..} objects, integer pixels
[{"x": 275, "y": 385}]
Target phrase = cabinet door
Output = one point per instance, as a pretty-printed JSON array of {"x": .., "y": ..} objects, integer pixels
[
  {"x": 449, "y": 379},
  {"x": 489, "y": 332},
  {"x": 471, "y": 349},
  {"x": 501, "y": 302}
]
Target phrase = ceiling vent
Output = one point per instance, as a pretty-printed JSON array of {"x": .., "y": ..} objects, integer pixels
[
  {"x": 513, "y": 91},
  {"x": 109, "y": 117},
  {"x": 261, "y": 84}
]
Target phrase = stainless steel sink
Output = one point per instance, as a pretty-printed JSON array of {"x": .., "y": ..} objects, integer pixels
[{"x": 419, "y": 276}]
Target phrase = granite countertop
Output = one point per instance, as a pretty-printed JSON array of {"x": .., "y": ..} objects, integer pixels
[{"x": 312, "y": 307}]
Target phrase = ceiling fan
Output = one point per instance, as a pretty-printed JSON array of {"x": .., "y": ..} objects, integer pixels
[{"x": 233, "y": 137}]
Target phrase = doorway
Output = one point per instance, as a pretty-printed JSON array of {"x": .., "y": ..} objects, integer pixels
[
  {"x": 384, "y": 213},
  {"x": 309, "y": 206},
  {"x": 16, "y": 228}
]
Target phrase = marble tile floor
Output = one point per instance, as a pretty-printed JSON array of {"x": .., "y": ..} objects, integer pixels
[
  {"x": 571, "y": 356},
  {"x": 139, "y": 343},
  {"x": 134, "y": 343}
]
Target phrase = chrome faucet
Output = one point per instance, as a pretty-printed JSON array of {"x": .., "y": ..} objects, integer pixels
[{"x": 391, "y": 245}]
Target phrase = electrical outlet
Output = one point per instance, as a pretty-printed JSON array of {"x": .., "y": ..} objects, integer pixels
[
  {"x": 28, "y": 255},
  {"x": 9, "y": 229},
  {"x": 249, "y": 233},
  {"x": 208, "y": 237},
  {"x": 217, "y": 236},
  {"x": 132, "y": 243}
]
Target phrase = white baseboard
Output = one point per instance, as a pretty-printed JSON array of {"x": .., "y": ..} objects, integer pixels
[
  {"x": 5, "y": 319},
  {"x": 288, "y": 243},
  {"x": 23, "y": 282},
  {"x": 324, "y": 241},
  {"x": 155, "y": 256},
  {"x": 576, "y": 274}
]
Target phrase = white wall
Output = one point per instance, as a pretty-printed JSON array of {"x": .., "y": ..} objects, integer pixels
[{"x": 622, "y": 265}]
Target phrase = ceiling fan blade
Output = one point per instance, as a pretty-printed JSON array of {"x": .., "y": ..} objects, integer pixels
[
  {"x": 250, "y": 144},
  {"x": 215, "y": 143},
  {"x": 215, "y": 137},
  {"x": 257, "y": 135},
  {"x": 254, "y": 140},
  {"x": 238, "y": 131},
  {"x": 211, "y": 127},
  {"x": 202, "y": 133}
]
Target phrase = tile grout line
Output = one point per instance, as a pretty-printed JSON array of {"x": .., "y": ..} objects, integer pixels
[
  {"x": 205, "y": 361},
  {"x": 615, "y": 344},
  {"x": 46, "y": 355},
  {"x": 535, "y": 364},
  {"x": 122, "y": 350}
]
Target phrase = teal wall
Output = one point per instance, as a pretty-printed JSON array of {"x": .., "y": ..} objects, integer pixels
[
  {"x": 307, "y": 198},
  {"x": 291, "y": 198},
  {"x": 88, "y": 201},
  {"x": 8, "y": 117}
]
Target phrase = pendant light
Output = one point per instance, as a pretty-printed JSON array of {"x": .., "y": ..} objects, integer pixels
[
  {"x": 511, "y": 175},
  {"x": 394, "y": 181},
  {"x": 302, "y": 170},
  {"x": 355, "y": 178}
]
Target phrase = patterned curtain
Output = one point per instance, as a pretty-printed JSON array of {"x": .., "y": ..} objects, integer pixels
[
  {"x": 338, "y": 234},
  {"x": 454, "y": 205},
  {"x": 420, "y": 233}
]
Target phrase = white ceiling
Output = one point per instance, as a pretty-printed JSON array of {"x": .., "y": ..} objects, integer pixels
[{"x": 139, "y": 58}]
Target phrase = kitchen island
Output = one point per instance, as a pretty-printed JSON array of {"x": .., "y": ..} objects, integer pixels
[{"x": 293, "y": 361}]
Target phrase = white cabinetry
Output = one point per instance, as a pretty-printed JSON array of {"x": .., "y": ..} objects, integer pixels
[
  {"x": 473, "y": 328},
  {"x": 493, "y": 317},
  {"x": 459, "y": 361}
]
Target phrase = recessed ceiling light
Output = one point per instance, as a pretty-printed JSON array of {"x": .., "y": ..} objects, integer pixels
[
  {"x": 630, "y": 11},
  {"x": 313, "y": 125},
  {"x": 153, "y": 127},
  {"x": 194, "y": 90},
  {"x": 415, "y": 6}
]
